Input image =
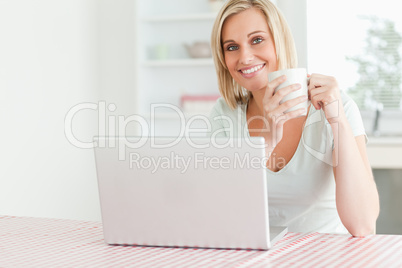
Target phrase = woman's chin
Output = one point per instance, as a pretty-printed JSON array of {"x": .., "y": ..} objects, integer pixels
[{"x": 256, "y": 88}]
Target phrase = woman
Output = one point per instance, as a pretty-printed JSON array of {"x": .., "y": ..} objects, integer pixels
[{"x": 319, "y": 177}]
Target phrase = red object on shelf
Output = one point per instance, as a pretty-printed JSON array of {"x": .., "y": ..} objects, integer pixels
[
  {"x": 208, "y": 98},
  {"x": 198, "y": 104}
]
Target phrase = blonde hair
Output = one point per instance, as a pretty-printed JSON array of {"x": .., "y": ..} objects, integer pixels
[{"x": 285, "y": 49}]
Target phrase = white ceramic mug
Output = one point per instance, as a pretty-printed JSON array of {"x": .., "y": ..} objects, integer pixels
[{"x": 293, "y": 76}]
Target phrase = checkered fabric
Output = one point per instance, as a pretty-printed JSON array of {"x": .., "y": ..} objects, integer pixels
[{"x": 38, "y": 242}]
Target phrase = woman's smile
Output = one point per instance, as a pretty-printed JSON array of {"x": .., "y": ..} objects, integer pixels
[{"x": 251, "y": 71}]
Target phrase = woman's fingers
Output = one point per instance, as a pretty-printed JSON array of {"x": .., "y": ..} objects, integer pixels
[
  {"x": 322, "y": 96},
  {"x": 317, "y": 97},
  {"x": 275, "y": 108},
  {"x": 319, "y": 80},
  {"x": 293, "y": 114},
  {"x": 283, "y": 92},
  {"x": 330, "y": 105},
  {"x": 280, "y": 118},
  {"x": 291, "y": 103},
  {"x": 272, "y": 85},
  {"x": 281, "y": 109}
]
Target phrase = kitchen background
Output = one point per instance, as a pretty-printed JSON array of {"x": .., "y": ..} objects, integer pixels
[{"x": 66, "y": 64}]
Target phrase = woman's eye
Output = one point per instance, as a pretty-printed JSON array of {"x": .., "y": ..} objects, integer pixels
[
  {"x": 257, "y": 40},
  {"x": 231, "y": 48}
]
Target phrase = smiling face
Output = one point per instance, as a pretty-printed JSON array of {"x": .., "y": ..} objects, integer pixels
[{"x": 249, "y": 49}]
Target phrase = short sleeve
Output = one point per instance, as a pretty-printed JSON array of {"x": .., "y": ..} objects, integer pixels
[{"x": 353, "y": 115}]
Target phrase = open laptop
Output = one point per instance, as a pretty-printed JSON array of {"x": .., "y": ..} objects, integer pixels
[{"x": 184, "y": 192}]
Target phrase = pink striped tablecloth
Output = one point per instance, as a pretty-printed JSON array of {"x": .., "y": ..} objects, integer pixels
[{"x": 38, "y": 242}]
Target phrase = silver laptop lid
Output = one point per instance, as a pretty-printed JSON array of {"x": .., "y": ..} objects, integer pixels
[{"x": 182, "y": 192}]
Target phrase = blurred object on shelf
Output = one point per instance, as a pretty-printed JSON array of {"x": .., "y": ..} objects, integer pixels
[
  {"x": 159, "y": 52},
  {"x": 198, "y": 104},
  {"x": 199, "y": 50},
  {"x": 215, "y": 5}
]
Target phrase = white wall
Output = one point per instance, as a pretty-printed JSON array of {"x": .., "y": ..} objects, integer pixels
[
  {"x": 48, "y": 63},
  {"x": 118, "y": 55},
  {"x": 295, "y": 14}
]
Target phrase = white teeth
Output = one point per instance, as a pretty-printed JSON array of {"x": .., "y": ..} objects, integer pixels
[{"x": 252, "y": 70}]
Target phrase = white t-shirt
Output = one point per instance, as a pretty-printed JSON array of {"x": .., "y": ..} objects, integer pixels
[{"x": 302, "y": 194}]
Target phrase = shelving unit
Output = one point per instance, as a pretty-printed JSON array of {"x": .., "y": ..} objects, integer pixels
[{"x": 165, "y": 71}]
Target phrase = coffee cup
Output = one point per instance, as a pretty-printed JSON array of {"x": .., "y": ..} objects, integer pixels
[{"x": 293, "y": 76}]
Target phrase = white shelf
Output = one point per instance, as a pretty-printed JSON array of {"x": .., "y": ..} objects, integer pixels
[
  {"x": 180, "y": 17},
  {"x": 179, "y": 62}
]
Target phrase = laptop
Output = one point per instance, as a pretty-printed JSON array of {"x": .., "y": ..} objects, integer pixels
[{"x": 184, "y": 192}]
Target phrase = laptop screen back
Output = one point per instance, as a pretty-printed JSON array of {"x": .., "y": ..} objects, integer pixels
[{"x": 177, "y": 192}]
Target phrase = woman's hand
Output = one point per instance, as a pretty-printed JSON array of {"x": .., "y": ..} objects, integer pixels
[
  {"x": 324, "y": 93},
  {"x": 274, "y": 112}
]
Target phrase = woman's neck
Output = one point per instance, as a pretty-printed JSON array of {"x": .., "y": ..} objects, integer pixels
[{"x": 255, "y": 105}]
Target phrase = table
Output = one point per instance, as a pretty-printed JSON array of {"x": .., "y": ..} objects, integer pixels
[{"x": 40, "y": 242}]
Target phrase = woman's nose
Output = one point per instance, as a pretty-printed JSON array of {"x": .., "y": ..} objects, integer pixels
[{"x": 246, "y": 55}]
